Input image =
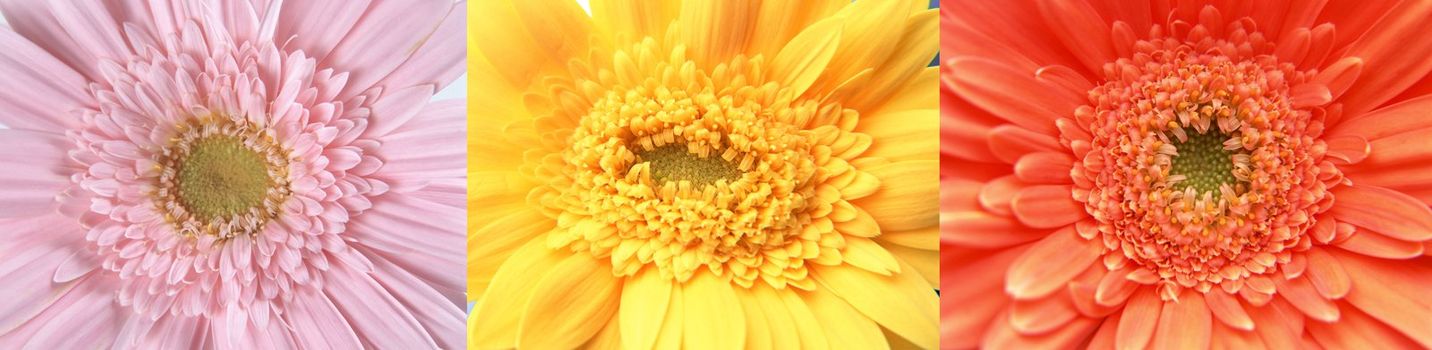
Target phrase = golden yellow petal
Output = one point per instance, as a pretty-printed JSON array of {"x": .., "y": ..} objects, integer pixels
[
  {"x": 559, "y": 315},
  {"x": 631, "y": 20},
  {"x": 909, "y": 195},
  {"x": 919, "y": 43},
  {"x": 712, "y": 302},
  {"x": 715, "y": 31},
  {"x": 925, "y": 262},
  {"x": 495, "y": 318},
  {"x": 921, "y": 91},
  {"x": 925, "y": 239},
  {"x": 802, "y": 61},
  {"x": 493, "y": 242},
  {"x": 760, "y": 334},
  {"x": 779, "y": 21},
  {"x": 645, "y": 299},
  {"x": 872, "y": 29},
  {"x": 845, "y": 327},
  {"x": 866, "y": 254},
  {"x": 904, "y": 135},
  {"x": 904, "y": 303}
]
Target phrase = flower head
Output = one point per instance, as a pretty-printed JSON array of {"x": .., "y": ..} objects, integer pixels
[
  {"x": 707, "y": 173},
  {"x": 218, "y": 175},
  {"x": 1168, "y": 177}
]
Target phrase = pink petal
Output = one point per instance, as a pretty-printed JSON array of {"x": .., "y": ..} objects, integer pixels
[
  {"x": 431, "y": 146},
  {"x": 443, "y": 318},
  {"x": 36, "y": 170},
  {"x": 318, "y": 26},
  {"x": 38, "y": 91},
  {"x": 373, "y": 311},
  {"x": 313, "y": 316},
  {"x": 84, "y": 318},
  {"x": 431, "y": 242},
  {"x": 386, "y": 36},
  {"x": 438, "y": 65}
]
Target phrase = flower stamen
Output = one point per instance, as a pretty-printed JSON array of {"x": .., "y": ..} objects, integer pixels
[{"x": 221, "y": 178}]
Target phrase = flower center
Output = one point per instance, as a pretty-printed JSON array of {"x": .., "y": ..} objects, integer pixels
[
  {"x": 221, "y": 178},
  {"x": 1200, "y": 168},
  {"x": 1203, "y": 161},
  {"x": 680, "y": 169},
  {"x": 675, "y": 163}
]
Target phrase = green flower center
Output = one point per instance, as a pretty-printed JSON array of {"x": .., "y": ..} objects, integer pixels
[
  {"x": 673, "y": 163},
  {"x": 221, "y": 178},
  {"x": 1204, "y": 161}
]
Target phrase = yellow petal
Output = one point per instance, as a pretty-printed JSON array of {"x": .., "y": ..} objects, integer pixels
[
  {"x": 759, "y": 332},
  {"x": 559, "y": 315},
  {"x": 903, "y": 303},
  {"x": 866, "y": 254},
  {"x": 493, "y": 243},
  {"x": 919, "y": 92},
  {"x": 925, "y": 262},
  {"x": 632, "y": 20},
  {"x": 503, "y": 40},
  {"x": 924, "y": 239},
  {"x": 608, "y": 338},
  {"x": 844, "y": 326},
  {"x": 808, "y": 329},
  {"x": 716, "y": 31},
  {"x": 712, "y": 302},
  {"x": 780, "y": 21},
  {"x": 908, "y": 198},
  {"x": 801, "y": 62},
  {"x": 919, "y": 43},
  {"x": 496, "y": 315},
  {"x": 670, "y": 336},
  {"x": 904, "y": 135},
  {"x": 645, "y": 299},
  {"x": 872, "y": 29}
]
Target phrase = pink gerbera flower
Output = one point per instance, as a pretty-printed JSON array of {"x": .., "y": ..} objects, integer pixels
[
  {"x": 231, "y": 174},
  {"x": 1132, "y": 174}
]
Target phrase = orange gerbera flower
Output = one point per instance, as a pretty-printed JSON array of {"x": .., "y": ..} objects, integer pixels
[{"x": 1185, "y": 175}]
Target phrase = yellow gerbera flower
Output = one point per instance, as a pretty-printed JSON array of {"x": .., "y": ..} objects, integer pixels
[{"x": 706, "y": 174}]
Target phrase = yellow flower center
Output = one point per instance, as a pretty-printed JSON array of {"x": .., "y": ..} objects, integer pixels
[
  {"x": 221, "y": 178},
  {"x": 682, "y": 169}
]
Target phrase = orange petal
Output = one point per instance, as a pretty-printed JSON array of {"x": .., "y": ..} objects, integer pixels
[
  {"x": 1050, "y": 264},
  {"x": 1301, "y": 294},
  {"x": 1083, "y": 32},
  {"x": 1389, "y": 212},
  {"x": 1137, "y": 323},
  {"x": 1310, "y": 94},
  {"x": 1393, "y": 292},
  {"x": 1340, "y": 75},
  {"x": 1277, "y": 331},
  {"x": 978, "y": 229},
  {"x": 971, "y": 295},
  {"x": 1327, "y": 274},
  {"x": 996, "y": 195},
  {"x": 1387, "y": 121},
  {"x": 1115, "y": 288},
  {"x": 1375, "y": 244},
  {"x": 1034, "y": 317},
  {"x": 1009, "y": 142},
  {"x": 1082, "y": 293},
  {"x": 1047, "y": 206},
  {"x": 1348, "y": 149},
  {"x": 1006, "y": 92},
  {"x": 1234, "y": 339},
  {"x": 1228, "y": 310},
  {"x": 1184, "y": 324},
  {"x": 1045, "y": 167},
  {"x": 1003, "y": 336},
  {"x": 1356, "y": 330}
]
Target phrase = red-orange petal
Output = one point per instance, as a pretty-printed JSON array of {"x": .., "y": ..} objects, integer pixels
[
  {"x": 1228, "y": 310},
  {"x": 1140, "y": 318},
  {"x": 1115, "y": 288},
  {"x": 1356, "y": 330},
  {"x": 1005, "y": 92},
  {"x": 1389, "y": 212},
  {"x": 1047, "y": 206},
  {"x": 1327, "y": 274},
  {"x": 1050, "y": 264},
  {"x": 1045, "y": 167},
  {"x": 1034, "y": 317},
  {"x": 978, "y": 229},
  {"x": 1394, "y": 292},
  {"x": 1305, "y": 298},
  {"x": 1185, "y": 324},
  {"x": 1378, "y": 245}
]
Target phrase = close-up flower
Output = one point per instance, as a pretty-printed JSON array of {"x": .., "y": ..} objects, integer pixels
[
  {"x": 703, "y": 174},
  {"x": 231, "y": 174},
  {"x": 1190, "y": 174}
]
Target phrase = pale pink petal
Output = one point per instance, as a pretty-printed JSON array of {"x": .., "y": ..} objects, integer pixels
[
  {"x": 443, "y": 318},
  {"x": 38, "y": 92},
  {"x": 317, "y": 322},
  {"x": 431, "y": 146},
  {"x": 397, "y": 108},
  {"x": 423, "y": 237},
  {"x": 318, "y": 26},
  {"x": 437, "y": 65},
  {"x": 85, "y": 317},
  {"x": 379, "y": 318},
  {"x": 386, "y": 36}
]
